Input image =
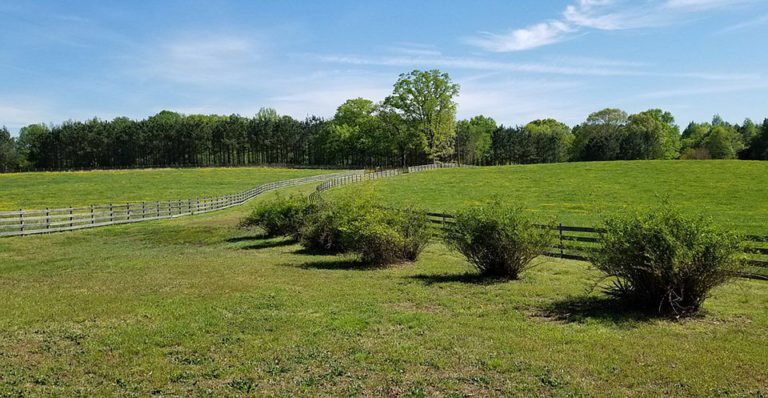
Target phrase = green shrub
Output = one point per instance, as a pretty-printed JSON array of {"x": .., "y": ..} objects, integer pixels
[
  {"x": 665, "y": 261},
  {"x": 498, "y": 239},
  {"x": 280, "y": 216},
  {"x": 324, "y": 228},
  {"x": 387, "y": 236},
  {"x": 355, "y": 223}
]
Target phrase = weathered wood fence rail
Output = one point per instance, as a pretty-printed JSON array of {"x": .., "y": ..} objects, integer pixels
[
  {"x": 574, "y": 243},
  {"x": 29, "y": 222}
]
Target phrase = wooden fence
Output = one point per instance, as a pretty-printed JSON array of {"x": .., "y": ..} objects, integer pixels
[
  {"x": 576, "y": 243},
  {"x": 573, "y": 243},
  {"x": 29, "y": 222}
]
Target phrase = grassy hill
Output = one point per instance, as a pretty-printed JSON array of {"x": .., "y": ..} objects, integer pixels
[
  {"x": 734, "y": 193},
  {"x": 62, "y": 189}
]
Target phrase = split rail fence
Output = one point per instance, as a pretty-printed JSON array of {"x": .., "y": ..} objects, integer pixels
[{"x": 30, "y": 222}]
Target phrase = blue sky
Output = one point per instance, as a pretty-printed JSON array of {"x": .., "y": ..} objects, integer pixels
[{"x": 515, "y": 60}]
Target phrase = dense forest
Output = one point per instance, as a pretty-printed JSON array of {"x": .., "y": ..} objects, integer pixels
[{"x": 416, "y": 124}]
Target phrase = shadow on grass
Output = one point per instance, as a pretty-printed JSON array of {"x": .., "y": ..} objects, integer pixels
[
  {"x": 340, "y": 265},
  {"x": 462, "y": 278},
  {"x": 266, "y": 244},
  {"x": 260, "y": 241},
  {"x": 607, "y": 309},
  {"x": 247, "y": 238}
]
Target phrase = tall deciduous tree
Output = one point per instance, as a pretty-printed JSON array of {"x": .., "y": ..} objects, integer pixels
[
  {"x": 425, "y": 100},
  {"x": 9, "y": 159},
  {"x": 551, "y": 141},
  {"x": 473, "y": 139},
  {"x": 600, "y": 136}
]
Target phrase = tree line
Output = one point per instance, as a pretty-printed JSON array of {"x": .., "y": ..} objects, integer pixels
[{"x": 415, "y": 124}]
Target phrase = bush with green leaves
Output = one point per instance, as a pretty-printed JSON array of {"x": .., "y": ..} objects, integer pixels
[
  {"x": 281, "y": 216},
  {"x": 388, "y": 236},
  {"x": 665, "y": 261},
  {"x": 325, "y": 227},
  {"x": 499, "y": 239},
  {"x": 355, "y": 223}
]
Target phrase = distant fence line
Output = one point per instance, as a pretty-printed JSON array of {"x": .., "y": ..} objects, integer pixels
[
  {"x": 573, "y": 242},
  {"x": 344, "y": 180},
  {"x": 30, "y": 222}
]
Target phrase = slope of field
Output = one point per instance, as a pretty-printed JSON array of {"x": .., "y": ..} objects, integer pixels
[
  {"x": 734, "y": 193},
  {"x": 196, "y": 307},
  {"x": 62, "y": 189}
]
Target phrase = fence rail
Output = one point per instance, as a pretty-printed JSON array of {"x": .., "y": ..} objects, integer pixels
[
  {"x": 573, "y": 242},
  {"x": 576, "y": 243},
  {"x": 30, "y": 222}
]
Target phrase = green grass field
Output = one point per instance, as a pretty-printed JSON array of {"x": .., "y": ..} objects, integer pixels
[
  {"x": 197, "y": 307},
  {"x": 63, "y": 189},
  {"x": 734, "y": 193}
]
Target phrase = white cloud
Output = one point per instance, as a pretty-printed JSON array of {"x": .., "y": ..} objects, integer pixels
[
  {"x": 203, "y": 61},
  {"x": 579, "y": 67},
  {"x": 605, "y": 15},
  {"x": 534, "y": 36}
]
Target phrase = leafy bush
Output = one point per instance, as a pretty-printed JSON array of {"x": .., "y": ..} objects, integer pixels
[
  {"x": 281, "y": 216},
  {"x": 665, "y": 261},
  {"x": 325, "y": 227},
  {"x": 498, "y": 239},
  {"x": 355, "y": 223},
  {"x": 387, "y": 236}
]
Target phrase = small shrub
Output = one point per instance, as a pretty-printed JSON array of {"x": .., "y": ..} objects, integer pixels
[
  {"x": 324, "y": 227},
  {"x": 498, "y": 239},
  {"x": 281, "y": 216},
  {"x": 666, "y": 262},
  {"x": 387, "y": 236},
  {"x": 355, "y": 223}
]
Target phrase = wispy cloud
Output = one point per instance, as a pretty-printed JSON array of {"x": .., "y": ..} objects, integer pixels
[
  {"x": 576, "y": 67},
  {"x": 605, "y": 15},
  {"x": 762, "y": 20},
  {"x": 212, "y": 60}
]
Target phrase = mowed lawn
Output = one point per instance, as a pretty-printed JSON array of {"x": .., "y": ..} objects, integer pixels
[
  {"x": 196, "y": 307},
  {"x": 733, "y": 193},
  {"x": 63, "y": 189}
]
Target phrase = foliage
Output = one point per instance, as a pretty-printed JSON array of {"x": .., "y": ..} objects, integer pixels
[
  {"x": 498, "y": 239},
  {"x": 9, "y": 158},
  {"x": 665, "y": 261},
  {"x": 355, "y": 223},
  {"x": 281, "y": 216},
  {"x": 718, "y": 140},
  {"x": 426, "y": 101},
  {"x": 387, "y": 236},
  {"x": 473, "y": 139},
  {"x": 326, "y": 227},
  {"x": 540, "y": 141},
  {"x": 612, "y": 135}
]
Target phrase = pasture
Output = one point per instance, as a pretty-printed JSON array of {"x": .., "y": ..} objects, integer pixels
[
  {"x": 82, "y": 188},
  {"x": 198, "y": 307},
  {"x": 733, "y": 193}
]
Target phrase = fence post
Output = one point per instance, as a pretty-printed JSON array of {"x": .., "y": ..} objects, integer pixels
[
  {"x": 71, "y": 224},
  {"x": 560, "y": 228},
  {"x": 111, "y": 214},
  {"x": 142, "y": 210},
  {"x": 93, "y": 216},
  {"x": 21, "y": 220},
  {"x": 47, "y": 218},
  {"x": 128, "y": 211}
]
